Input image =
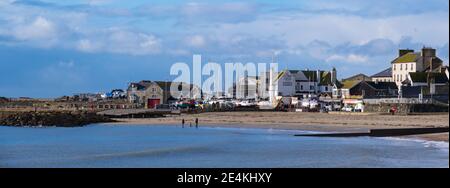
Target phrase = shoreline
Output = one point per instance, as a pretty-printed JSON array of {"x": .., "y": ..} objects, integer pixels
[{"x": 302, "y": 121}]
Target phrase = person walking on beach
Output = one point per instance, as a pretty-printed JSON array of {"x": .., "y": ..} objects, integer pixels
[
  {"x": 182, "y": 123},
  {"x": 196, "y": 122},
  {"x": 190, "y": 124}
]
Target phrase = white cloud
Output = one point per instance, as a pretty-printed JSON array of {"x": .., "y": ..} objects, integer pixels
[
  {"x": 86, "y": 45},
  {"x": 351, "y": 58},
  {"x": 39, "y": 29},
  {"x": 196, "y": 41},
  {"x": 300, "y": 29},
  {"x": 120, "y": 41}
]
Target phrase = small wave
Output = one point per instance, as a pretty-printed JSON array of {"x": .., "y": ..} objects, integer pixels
[
  {"x": 428, "y": 144},
  {"x": 149, "y": 152}
]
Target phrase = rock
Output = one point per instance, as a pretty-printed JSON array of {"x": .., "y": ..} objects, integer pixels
[{"x": 53, "y": 118}]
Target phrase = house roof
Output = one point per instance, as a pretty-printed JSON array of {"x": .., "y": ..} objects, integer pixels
[
  {"x": 385, "y": 73},
  {"x": 348, "y": 84},
  {"x": 310, "y": 75},
  {"x": 382, "y": 85},
  {"x": 164, "y": 85},
  {"x": 408, "y": 57},
  {"x": 423, "y": 77},
  {"x": 435, "y": 62},
  {"x": 356, "y": 77}
]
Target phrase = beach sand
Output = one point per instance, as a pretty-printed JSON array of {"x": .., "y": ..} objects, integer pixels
[{"x": 306, "y": 121}]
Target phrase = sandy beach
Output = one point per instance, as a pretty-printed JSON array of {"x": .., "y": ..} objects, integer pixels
[{"x": 306, "y": 121}]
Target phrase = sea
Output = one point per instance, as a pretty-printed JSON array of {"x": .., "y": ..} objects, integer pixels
[{"x": 153, "y": 146}]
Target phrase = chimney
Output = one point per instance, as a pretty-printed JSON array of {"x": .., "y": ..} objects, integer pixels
[
  {"x": 333, "y": 76},
  {"x": 318, "y": 81},
  {"x": 428, "y": 52},
  {"x": 402, "y": 52}
]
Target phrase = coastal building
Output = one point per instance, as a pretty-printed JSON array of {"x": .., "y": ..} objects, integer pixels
[
  {"x": 344, "y": 90},
  {"x": 117, "y": 94},
  {"x": 409, "y": 61},
  {"x": 245, "y": 88},
  {"x": 149, "y": 94},
  {"x": 305, "y": 83},
  {"x": 383, "y": 76},
  {"x": 429, "y": 83},
  {"x": 354, "y": 89}
]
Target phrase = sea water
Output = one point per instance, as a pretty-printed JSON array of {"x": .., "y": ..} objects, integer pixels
[{"x": 173, "y": 146}]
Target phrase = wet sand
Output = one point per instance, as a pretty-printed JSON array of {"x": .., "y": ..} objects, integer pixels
[{"x": 306, "y": 121}]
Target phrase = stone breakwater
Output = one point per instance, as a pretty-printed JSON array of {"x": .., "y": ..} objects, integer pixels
[{"x": 51, "y": 118}]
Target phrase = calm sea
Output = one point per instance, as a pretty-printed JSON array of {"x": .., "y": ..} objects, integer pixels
[{"x": 170, "y": 146}]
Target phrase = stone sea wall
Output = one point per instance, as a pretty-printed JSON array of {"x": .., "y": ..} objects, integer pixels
[
  {"x": 404, "y": 108},
  {"x": 51, "y": 118}
]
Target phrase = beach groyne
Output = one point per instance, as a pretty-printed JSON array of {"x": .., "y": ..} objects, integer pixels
[
  {"x": 384, "y": 132},
  {"x": 51, "y": 118}
]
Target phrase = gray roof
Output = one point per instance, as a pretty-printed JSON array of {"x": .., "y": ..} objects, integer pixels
[{"x": 385, "y": 73}]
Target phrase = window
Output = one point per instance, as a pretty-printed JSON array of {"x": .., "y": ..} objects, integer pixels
[
  {"x": 395, "y": 67},
  {"x": 287, "y": 83},
  {"x": 311, "y": 87},
  {"x": 326, "y": 88},
  {"x": 301, "y": 87},
  {"x": 401, "y": 77},
  {"x": 412, "y": 67},
  {"x": 406, "y": 68},
  {"x": 401, "y": 66}
]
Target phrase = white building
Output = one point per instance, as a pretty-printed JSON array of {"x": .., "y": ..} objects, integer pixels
[
  {"x": 304, "y": 83},
  {"x": 410, "y": 61}
]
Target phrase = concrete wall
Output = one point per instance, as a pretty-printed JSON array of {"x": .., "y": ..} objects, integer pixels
[{"x": 404, "y": 108}]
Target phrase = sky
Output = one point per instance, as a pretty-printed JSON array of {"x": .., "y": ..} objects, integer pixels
[{"x": 59, "y": 47}]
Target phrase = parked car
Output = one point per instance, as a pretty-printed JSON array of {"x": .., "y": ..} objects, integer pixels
[{"x": 347, "y": 109}]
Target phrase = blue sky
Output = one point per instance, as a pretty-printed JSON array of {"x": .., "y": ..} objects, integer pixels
[{"x": 53, "y": 48}]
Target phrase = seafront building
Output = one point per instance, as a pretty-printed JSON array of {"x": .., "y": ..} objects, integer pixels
[
  {"x": 409, "y": 61},
  {"x": 305, "y": 83},
  {"x": 149, "y": 94},
  {"x": 383, "y": 76}
]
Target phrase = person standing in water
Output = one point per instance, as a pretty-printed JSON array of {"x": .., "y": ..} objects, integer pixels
[{"x": 182, "y": 123}]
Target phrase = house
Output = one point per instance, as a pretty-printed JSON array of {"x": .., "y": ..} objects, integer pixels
[
  {"x": 149, "y": 94},
  {"x": 245, "y": 88},
  {"x": 383, "y": 76},
  {"x": 409, "y": 61},
  {"x": 344, "y": 90},
  {"x": 358, "y": 77},
  {"x": 117, "y": 94},
  {"x": 354, "y": 89},
  {"x": 431, "y": 82},
  {"x": 87, "y": 97},
  {"x": 304, "y": 83}
]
